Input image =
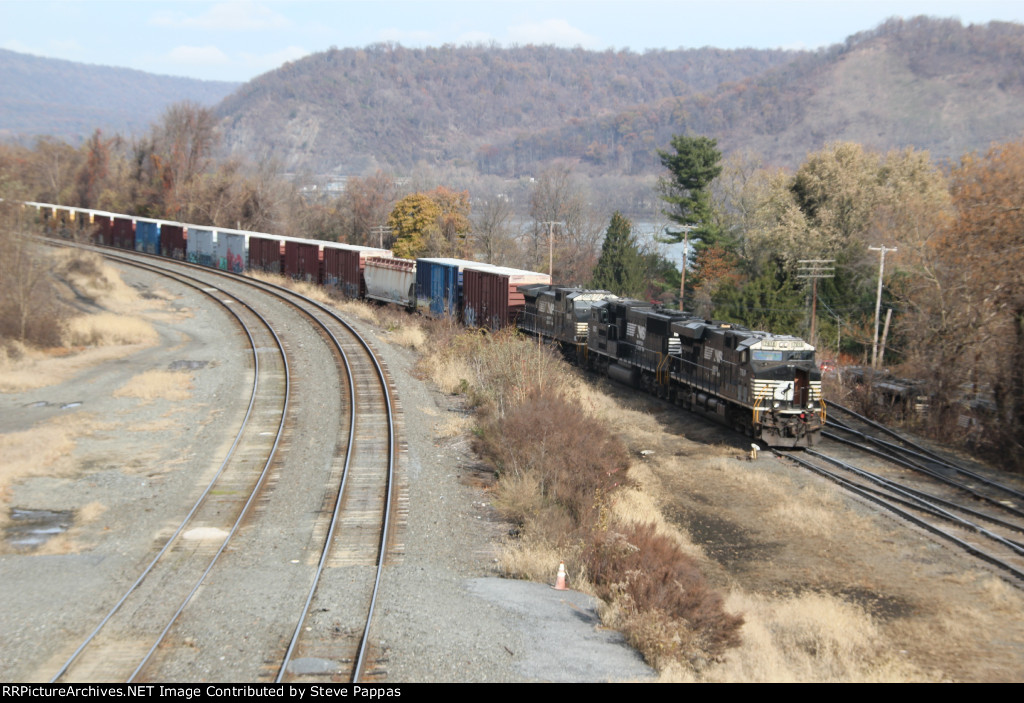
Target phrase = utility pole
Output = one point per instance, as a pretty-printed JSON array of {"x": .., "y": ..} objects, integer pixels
[
  {"x": 380, "y": 231},
  {"x": 551, "y": 245},
  {"x": 878, "y": 300},
  {"x": 686, "y": 229},
  {"x": 815, "y": 269}
]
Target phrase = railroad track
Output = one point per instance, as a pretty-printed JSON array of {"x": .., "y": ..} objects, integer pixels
[
  {"x": 959, "y": 505},
  {"x": 341, "y": 533},
  {"x": 915, "y": 457}
]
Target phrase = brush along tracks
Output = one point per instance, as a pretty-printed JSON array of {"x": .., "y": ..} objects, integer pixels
[
  {"x": 979, "y": 514},
  {"x": 289, "y": 589}
]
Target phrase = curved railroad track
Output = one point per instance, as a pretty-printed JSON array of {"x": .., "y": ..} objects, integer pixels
[{"x": 342, "y": 538}]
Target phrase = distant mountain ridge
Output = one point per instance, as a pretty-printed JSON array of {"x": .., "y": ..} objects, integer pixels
[
  {"x": 923, "y": 82},
  {"x": 68, "y": 100},
  {"x": 352, "y": 110}
]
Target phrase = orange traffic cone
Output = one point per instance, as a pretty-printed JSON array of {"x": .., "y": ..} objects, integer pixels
[{"x": 560, "y": 581}]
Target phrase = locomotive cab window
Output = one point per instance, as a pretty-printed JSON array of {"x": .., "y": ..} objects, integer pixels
[{"x": 762, "y": 355}]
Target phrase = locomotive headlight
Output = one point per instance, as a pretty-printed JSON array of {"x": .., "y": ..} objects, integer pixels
[{"x": 775, "y": 404}]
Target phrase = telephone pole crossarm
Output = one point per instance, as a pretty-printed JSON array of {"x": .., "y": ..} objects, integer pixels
[{"x": 815, "y": 269}]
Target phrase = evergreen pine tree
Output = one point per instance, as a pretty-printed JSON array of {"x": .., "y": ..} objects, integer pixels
[{"x": 621, "y": 266}]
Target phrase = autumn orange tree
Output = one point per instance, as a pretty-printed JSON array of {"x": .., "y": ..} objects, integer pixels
[
  {"x": 715, "y": 267},
  {"x": 451, "y": 235},
  {"x": 962, "y": 295},
  {"x": 984, "y": 257},
  {"x": 433, "y": 223}
]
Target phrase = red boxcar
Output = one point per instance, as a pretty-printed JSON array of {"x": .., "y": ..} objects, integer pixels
[
  {"x": 172, "y": 241},
  {"x": 303, "y": 261},
  {"x": 491, "y": 296},
  {"x": 123, "y": 233},
  {"x": 344, "y": 265},
  {"x": 102, "y": 230},
  {"x": 266, "y": 254}
]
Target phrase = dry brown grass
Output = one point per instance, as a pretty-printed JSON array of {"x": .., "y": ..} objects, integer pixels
[
  {"x": 43, "y": 450},
  {"x": 530, "y": 559},
  {"x": 820, "y": 513},
  {"x": 635, "y": 505},
  {"x": 151, "y": 385},
  {"x": 562, "y": 472},
  {"x": 411, "y": 337},
  {"x": 808, "y": 638},
  {"x": 312, "y": 291},
  {"x": 108, "y": 329},
  {"x": 92, "y": 279},
  {"x": 38, "y": 369},
  {"x": 658, "y": 597},
  {"x": 90, "y": 512},
  {"x": 367, "y": 312},
  {"x": 496, "y": 371},
  {"x": 453, "y": 427}
]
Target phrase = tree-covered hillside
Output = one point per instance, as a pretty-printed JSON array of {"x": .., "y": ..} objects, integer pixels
[
  {"x": 69, "y": 100},
  {"x": 928, "y": 83},
  {"x": 351, "y": 110}
]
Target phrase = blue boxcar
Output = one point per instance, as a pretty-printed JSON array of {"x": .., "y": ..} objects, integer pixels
[
  {"x": 439, "y": 286},
  {"x": 147, "y": 237}
]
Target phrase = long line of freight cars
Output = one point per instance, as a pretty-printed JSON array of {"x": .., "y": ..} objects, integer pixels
[{"x": 479, "y": 294}]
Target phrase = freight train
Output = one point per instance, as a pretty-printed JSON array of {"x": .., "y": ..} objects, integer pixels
[{"x": 763, "y": 384}]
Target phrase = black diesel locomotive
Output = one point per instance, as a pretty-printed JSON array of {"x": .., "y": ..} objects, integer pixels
[{"x": 766, "y": 385}]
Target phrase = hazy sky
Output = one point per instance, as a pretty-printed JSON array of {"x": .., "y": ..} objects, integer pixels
[{"x": 238, "y": 40}]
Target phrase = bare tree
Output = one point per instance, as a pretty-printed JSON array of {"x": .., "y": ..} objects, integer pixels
[
  {"x": 558, "y": 197},
  {"x": 184, "y": 142},
  {"x": 365, "y": 205},
  {"x": 28, "y": 313},
  {"x": 494, "y": 232}
]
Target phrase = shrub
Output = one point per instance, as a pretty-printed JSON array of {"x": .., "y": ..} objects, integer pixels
[
  {"x": 558, "y": 469},
  {"x": 29, "y": 311},
  {"x": 646, "y": 575},
  {"x": 552, "y": 440}
]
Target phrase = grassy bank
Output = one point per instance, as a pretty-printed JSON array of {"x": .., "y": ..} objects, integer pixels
[{"x": 563, "y": 479}]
